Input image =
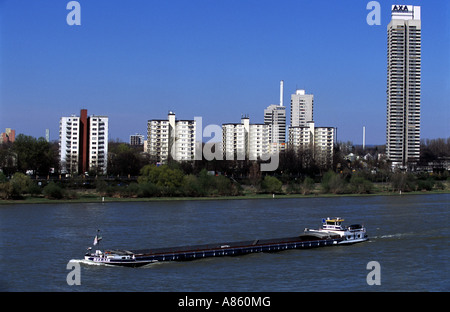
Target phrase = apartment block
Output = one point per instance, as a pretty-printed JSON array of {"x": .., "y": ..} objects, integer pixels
[
  {"x": 8, "y": 136},
  {"x": 171, "y": 138},
  {"x": 301, "y": 108},
  {"x": 324, "y": 145},
  {"x": 83, "y": 143},
  {"x": 235, "y": 140},
  {"x": 69, "y": 141},
  {"x": 275, "y": 119},
  {"x": 318, "y": 141},
  {"x": 136, "y": 139},
  {"x": 98, "y": 143},
  {"x": 302, "y": 137},
  {"x": 243, "y": 140}
]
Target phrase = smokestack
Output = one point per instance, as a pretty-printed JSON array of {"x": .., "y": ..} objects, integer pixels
[
  {"x": 364, "y": 138},
  {"x": 281, "y": 93}
]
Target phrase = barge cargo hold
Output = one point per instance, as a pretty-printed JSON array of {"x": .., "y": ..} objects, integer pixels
[{"x": 136, "y": 258}]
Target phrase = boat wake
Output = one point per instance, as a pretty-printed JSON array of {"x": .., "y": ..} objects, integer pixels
[{"x": 393, "y": 236}]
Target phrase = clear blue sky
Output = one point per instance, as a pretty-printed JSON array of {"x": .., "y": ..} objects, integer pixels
[{"x": 136, "y": 60}]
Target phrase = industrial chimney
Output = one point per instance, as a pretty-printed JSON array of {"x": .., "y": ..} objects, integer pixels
[
  {"x": 364, "y": 138},
  {"x": 281, "y": 93}
]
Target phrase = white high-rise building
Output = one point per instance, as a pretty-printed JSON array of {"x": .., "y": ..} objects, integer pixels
[
  {"x": 318, "y": 141},
  {"x": 324, "y": 145},
  {"x": 235, "y": 140},
  {"x": 83, "y": 144},
  {"x": 171, "y": 137},
  {"x": 275, "y": 118},
  {"x": 69, "y": 141},
  {"x": 243, "y": 140},
  {"x": 301, "y": 108},
  {"x": 98, "y": 143},
  {"x": 403, "y": 86},
  {"x": 258, "y": 141},
  {"x": 302, "y": 137}
]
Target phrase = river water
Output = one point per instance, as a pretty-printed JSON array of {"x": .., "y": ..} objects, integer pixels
[{"x": 409, "y": 239}]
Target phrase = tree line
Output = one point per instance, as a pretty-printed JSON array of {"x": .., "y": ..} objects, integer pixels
[{"x": 171, "y": 181}]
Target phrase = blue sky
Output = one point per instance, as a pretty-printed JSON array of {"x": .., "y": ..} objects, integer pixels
[{"x": 136, "y": 60}]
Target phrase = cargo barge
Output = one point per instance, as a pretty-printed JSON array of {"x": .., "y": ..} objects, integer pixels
[{"x": 331, "y": 233}]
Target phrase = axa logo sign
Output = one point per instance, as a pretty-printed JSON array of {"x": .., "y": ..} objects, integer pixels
[{"x": 400, "y": 8}]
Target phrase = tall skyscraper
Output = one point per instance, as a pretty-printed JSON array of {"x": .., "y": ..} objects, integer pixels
[
  {"x": 301, "y": 108},
  {"x": 83, "y": 143},
  {"x": 403, "y": 86}
]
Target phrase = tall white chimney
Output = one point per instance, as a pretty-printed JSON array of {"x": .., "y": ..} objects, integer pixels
[
  {"x": 281, "y": 93},
  {"x": 364, "y": 138}
]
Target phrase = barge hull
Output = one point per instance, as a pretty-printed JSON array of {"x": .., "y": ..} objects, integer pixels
[{"x": 188, "y": 253}]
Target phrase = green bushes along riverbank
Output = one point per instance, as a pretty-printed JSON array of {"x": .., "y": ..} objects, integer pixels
[{"x": 170, "y": 181}]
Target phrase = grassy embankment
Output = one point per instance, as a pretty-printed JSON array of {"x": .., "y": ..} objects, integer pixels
[{"x": 93, "y": 196}]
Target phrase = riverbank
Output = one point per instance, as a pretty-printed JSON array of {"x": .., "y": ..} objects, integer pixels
[{"x": 96, "y": 198}]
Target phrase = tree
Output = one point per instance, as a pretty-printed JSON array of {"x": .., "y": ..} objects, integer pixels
[
  {"x": 205, "y": 181},
  {"x": 223, "y": 185},
  {"x": 124, "y": 160},
  {"x": 254, "y": 175},
  {"x": 435, "y": 151},
  {"x": 192, "y": 187},
  {"x": 3, "y": 178},
  {"x": 169, "y": 179},
  {"x": 271, "y": 185},
  {"x": 19, "y": 185},
  {"x": 307, "y": 186},
  {"x": 333, "y": 183},
  {"x": 360, "y": 185},
  {"x": 404, "y": 182},
  {"x": 5, "y": 190},
  {"x": 33, "y": 154},
  {"x": 53, "y": 191},
  {"x": 8, "y": 159}
]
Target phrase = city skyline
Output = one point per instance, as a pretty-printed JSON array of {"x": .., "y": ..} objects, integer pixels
[{"x": 213, "y": 60}]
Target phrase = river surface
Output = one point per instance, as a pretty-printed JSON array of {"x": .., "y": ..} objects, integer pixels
[{"x": 409, "y": 239}]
